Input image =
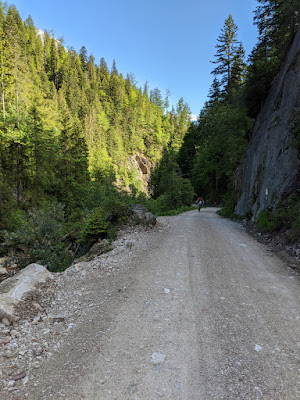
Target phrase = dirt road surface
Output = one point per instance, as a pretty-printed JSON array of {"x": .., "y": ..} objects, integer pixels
[{"x": 198, "y": 311}]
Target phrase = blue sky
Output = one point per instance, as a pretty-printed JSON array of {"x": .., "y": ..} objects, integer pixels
[{"x": 170, "y": 43}]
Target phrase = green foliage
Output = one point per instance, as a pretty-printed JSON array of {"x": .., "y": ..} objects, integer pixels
[
  {"x": 222, "y": 135},
  {"x": 170, "y": 190},
  {"x": 229, "y": 57},
  {"x": 40, "y": 238},
  {"x": 66, "y": 126},
  {"x": 188, "y": 150},
  {"x": 105, "y": 208},
  {"x": 277, "y": 23},
  {"x": 114, "y": 203},
  {"x": 265, "y": 222},
  {"x": 287, "y": 215},
  {"x": 175, "y": 212},
  {"x": 95, "y": 226},
  {"x": 228, "y": 204}
]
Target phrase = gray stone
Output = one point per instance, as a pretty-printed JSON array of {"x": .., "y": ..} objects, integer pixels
[
  {"x": 14, "y": 333},
  {"x": 157, "y": 358},
  {"x": 13, "y": 289},
  {"x": 6, "y": 322},
  {"x": 17, "y": 377},
  {"x": 143, "y": 214},
  {"x": 55, "y": 318},
  {"x": 11, "y": 352},
  {"x": 37, "y": 306}
]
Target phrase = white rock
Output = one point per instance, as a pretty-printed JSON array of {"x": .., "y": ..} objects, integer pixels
[
  {"x": 11, "y": 352},
  {"x": 36, "y": 320},
  {"x": 257, "y": 348},
  {"x": 166, "y": 290},
  {"x": 16, "y": 287},
  {"x": 35, "y": 364},
  {"x": 6, "y": 322},
  {"x": 14, "y": 333},
  {"x": 157, "y": 358}
]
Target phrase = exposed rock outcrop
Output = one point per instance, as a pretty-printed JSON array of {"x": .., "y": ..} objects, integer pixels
[
  {"x": 143, "y": 168},
  {"x": 270, "y": 169}
]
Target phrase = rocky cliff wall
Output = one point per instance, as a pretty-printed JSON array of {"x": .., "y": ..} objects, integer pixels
[
  {"x": 142, "y": 167},
  {"x": 270, "y": 170}
]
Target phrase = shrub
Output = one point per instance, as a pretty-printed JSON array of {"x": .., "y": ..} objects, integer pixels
[
  {"x": 40, "y": 238},
  {"x": 227, "y": 210},
  {"x": 288, "y": 215},
  {"x": 265, "y": 222},
  {"x": 96, "y": 225}
]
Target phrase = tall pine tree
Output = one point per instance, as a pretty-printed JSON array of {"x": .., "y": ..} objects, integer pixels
[{"x": 229, "y": 56}]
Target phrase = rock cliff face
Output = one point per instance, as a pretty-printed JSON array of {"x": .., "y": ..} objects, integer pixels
[
  {"x": 142, "y": 166},
  {"x": 270, "y": 170}
]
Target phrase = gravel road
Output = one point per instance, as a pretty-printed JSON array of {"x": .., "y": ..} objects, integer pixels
[{"x": 198, "y": 310}]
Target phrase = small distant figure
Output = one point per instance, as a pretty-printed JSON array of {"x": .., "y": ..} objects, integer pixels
[{"x": 200, "y": 203}]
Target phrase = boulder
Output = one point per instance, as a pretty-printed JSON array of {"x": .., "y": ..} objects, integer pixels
[
  {"x": 143, "y": 214},
  {"x": 13, "y": 289}
]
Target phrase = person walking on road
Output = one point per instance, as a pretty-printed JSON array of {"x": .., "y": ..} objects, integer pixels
[{"x": 200, "y": 203}]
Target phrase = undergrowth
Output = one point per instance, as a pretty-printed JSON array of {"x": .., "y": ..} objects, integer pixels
[
  {"x": 285, "y": 216},
  {"x": 46, "y": 236}
]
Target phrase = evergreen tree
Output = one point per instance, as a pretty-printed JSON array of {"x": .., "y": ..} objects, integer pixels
[
  {"x": 222, "y": 134},
  {"x": 43, "y": 147},
  {"x": 72, "y": 168},
  {"x": 65, "y": 119},
  {"x": 214, "y": 93},
  {"x": 229, "y": 55},
  {"x": 277, "y": 22},
  {"x": 238, "y": 70},
  {"x": 83, "y": 57},
  {"x": 53, "y": 68}
]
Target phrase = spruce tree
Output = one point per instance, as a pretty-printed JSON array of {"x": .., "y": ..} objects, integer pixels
[
  {"x": 214, "y": 93},
  {"x": 83, "y": 57},
  {"x": 229, "y": 55}
]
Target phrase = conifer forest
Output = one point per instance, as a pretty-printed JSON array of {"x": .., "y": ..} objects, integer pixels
[{"x": 72, "y": 126}]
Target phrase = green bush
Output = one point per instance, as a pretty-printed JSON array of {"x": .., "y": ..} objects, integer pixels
[
  {"x": 96, "y": 225},
  {"x": 176, "y": 212},
  {"x": 265, "y": 222},
  {"x": 228, "y": 204},
  {"x": 115, "y": 204},
  {"x": 288, "y": 215},
  {"x": 40, "y": 238},
  {"x": 105, "y": 210}
]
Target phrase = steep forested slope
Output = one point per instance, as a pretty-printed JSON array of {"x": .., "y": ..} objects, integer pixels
[
  {"x": 75, "y": 137},
  {"x": 65, "y": 119}
]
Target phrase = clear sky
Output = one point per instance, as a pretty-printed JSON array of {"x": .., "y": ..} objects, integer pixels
[{"x": 168, "y": 43}]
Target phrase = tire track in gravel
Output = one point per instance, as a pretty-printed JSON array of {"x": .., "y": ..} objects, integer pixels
[{"x": 218, "y": 309}]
